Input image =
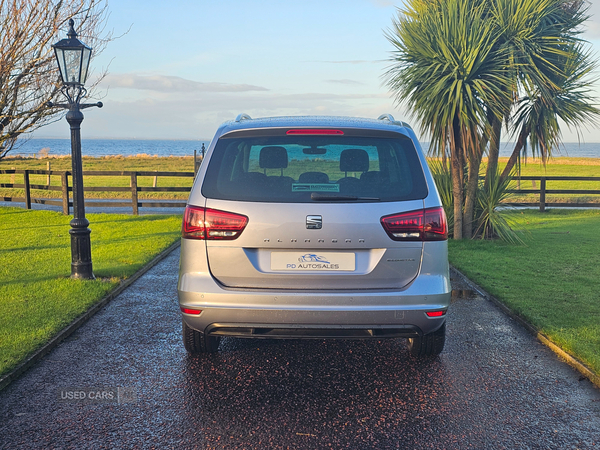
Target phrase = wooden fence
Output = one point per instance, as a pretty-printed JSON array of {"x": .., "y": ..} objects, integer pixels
[
  {"x": 64, "y": 190},
  {"x": 543, "y": 191}
]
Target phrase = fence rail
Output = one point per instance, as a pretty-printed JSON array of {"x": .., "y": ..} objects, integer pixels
[
  {"x": 135, "y": 203},
  {"x": 543, "y": 191},
  {"x": 65, "y": 188}
]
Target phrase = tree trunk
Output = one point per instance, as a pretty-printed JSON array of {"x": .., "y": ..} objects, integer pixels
[
  {"x": 457, "y": 167},
  {"x": 515, "y": 154},
  {"x": 472, "y": 183},
  {"x": 457, "y": 193},
  {"x": 492, "y": 166}
]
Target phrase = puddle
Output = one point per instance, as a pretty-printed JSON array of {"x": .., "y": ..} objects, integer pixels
[{"x": 463, "y": 294}]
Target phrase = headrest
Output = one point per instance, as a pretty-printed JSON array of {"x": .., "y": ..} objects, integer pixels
[
  {"x": 274, "y": 157},
  {"x": 313, "y": 177},
  {"x": 354, "y": 160}
]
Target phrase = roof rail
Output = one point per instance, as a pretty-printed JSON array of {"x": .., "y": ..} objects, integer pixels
[
  {"x": 242, "y": 116},
  {"x": 391, "y": 119},
  {"x": 386, "y": 116}
]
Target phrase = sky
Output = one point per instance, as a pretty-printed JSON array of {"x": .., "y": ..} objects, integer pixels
[{"x": 184, "y": 67}]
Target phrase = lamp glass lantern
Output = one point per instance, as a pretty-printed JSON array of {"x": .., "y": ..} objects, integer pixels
[{"x": 73, "y": 58}]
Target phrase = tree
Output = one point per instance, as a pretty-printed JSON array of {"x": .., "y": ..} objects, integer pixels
[
  {"x": 550, "y": 68},
  {"x": 448, "y": 70},
  {"x": 29, "y": 76},
  {"x": 465, "y": 67}
]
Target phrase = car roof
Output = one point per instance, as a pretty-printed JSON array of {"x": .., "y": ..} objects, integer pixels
[{"x": 385, "y": 122}]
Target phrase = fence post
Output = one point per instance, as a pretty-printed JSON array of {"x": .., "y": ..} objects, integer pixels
[
  {"x": 543, "y": 194},
  {"x": 134, "y": 193},
  {"x": 65, "y": 192},
  {"x": 48, "y": 178},
  {"x": 27, "y": 190},
  {"x": 155, "y": 181},
  {"x": 12, "y": 177},
  {"x": 196, "y": 163}
]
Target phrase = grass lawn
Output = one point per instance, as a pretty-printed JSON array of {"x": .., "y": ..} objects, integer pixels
[
  {"x": 37, "y": 297},
  {"x": 553, "y": 282}
]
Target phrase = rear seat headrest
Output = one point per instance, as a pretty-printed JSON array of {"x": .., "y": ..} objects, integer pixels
[
  {"x": 274, "y": 157},
  {"x": 354, "y": 160}
]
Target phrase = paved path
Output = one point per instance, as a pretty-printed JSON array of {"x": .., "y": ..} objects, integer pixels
[{"x": 493, "y": 387}]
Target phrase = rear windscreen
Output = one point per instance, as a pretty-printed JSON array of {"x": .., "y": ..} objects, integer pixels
[{"x": 314, "y": 168}]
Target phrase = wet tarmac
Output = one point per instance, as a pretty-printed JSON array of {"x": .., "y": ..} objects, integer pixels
[{"x": 494, "y": 386}]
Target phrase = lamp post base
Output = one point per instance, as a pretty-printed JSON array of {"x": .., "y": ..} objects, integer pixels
[{"x": 81, "y": 250}]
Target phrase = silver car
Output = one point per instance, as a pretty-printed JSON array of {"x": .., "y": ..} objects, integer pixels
[{"x": 314, "y": 227}]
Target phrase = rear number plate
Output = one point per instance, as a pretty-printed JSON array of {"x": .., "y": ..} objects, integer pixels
[{"x": 313, "y": 262}]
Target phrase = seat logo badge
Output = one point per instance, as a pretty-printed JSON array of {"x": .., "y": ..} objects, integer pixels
[{"x": 314, "y": 222}]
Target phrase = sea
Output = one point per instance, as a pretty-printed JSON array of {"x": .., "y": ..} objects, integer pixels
[{"x": 39, "y": 147}]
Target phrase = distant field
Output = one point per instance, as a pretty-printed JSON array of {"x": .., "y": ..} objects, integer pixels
[
  {"x": 563, "y": 166},
  {"x": 113, "y": 163}
]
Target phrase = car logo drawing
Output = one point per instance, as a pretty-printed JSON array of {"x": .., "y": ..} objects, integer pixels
[{"x": 311, "y": 257}]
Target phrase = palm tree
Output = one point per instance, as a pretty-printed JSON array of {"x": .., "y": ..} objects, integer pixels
[
  {"x": 447, "y": 70},
  {"x": 465, "y": 67}
]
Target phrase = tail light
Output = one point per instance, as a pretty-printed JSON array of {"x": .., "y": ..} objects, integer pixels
[
  {"x": 422, "y": 225},
  {"x": 212, "y": 224},
  {"x": 195, "y": 312}
]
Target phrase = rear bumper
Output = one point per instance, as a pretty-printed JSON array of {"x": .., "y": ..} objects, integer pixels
[
  {"x": 283, "y": 314},
  {"x": 288, "y": 313}
]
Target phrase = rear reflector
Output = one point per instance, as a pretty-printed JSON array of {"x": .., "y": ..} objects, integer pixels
[
  {"x": 190, "y": 311},
  {"x": 212, "y": 224},
  {"x": 435, "y": 313},
  {"x": 422, "y": 225},
  {"x": 318, "y": 131}
]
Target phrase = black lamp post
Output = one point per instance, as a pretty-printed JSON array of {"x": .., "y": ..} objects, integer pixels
[{"x": 73, "y": 61}]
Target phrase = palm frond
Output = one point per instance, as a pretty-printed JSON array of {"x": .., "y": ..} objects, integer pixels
[{"x": 493, "y": 221}]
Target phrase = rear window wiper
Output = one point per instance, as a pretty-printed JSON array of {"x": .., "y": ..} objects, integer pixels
[{"x": 319, "y": 197}]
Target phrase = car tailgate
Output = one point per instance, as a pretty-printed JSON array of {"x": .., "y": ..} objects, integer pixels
[{"x": 279, "y": 249}]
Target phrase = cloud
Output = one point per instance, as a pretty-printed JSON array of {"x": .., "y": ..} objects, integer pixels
[
  {"x": 197, "y": 115},
  {"x": 170, "y": 84},
  {"x": 383, "y": 3},
  {"x": 592, "y": 25},
  {"x": 353, "y": 82}
]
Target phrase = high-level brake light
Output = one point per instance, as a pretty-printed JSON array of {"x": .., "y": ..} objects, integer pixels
[
  {"x": 421, "y": 225},
  {"x": 212, "y": 224},
  {"x": 317, "y": 131}
]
